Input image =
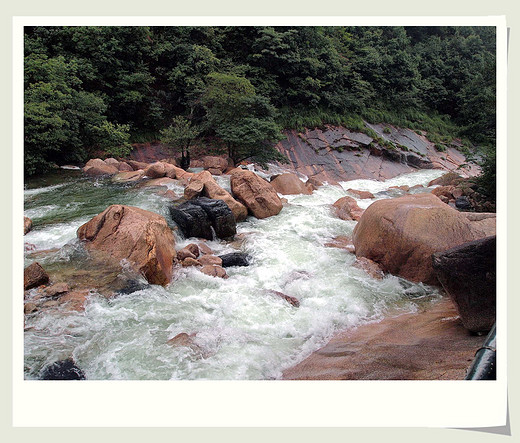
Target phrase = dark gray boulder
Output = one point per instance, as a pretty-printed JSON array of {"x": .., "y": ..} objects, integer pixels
[
  {"x": 204, "y": 218},
  {"x": 234, "y": 259},
  {"x": 468, "y": 274}
]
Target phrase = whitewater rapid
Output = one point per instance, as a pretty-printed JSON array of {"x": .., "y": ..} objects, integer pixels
[{"x": 242, "y": 330}]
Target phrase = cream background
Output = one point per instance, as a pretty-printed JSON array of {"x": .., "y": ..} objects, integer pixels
[{"x": 267, "y": 7}]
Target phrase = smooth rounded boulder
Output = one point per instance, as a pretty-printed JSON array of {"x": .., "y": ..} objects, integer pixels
[
  {"x": 255, "y": 193},
  {"x": 290, "y": 184},
  {"x": 141, "y": 237},
  {"x": 401, "y": 234},
  {"x": 97, "y": 167}
]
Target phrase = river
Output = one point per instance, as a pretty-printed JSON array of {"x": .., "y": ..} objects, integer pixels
[{"x": 242, "y": 330}]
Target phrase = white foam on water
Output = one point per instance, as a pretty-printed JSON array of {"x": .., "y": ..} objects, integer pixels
[{"x": 243, "y": 329}]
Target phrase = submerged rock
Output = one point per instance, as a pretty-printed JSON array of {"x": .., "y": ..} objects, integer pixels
[
  {"x": 141, "y": 237},
  {"x": 361, "y": 194},
  {"x": 468, "y": 274},
  {"x": 289, "y": 299},
  {"x": 62, "y": 370},
  {"x": 401, "y": 234},
  {"x": 214, "y": 271},
  {"x": 34, "y": 275},
  {"x": 370, "y": 267}
]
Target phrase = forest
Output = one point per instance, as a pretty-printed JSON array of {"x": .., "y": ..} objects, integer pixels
[{"x": 90, "y": 89}]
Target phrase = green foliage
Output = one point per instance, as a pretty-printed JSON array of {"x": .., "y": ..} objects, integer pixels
[
  {"x": 179, "y": 136},
  {"x": 243, "y": 84},
  {"x": 114, "y": 139}
]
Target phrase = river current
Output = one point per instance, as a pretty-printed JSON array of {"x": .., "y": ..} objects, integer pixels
[{"x": 242, "y": 330}]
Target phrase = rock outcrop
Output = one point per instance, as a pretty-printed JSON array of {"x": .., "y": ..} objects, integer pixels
[
  {"x": 290, "y": 184},
  {"x": 141, "y": 237},
  {"x": 401, "y": 234},
  {"x": 468, "y": 274},
  {"x": 255, "y": 193}
]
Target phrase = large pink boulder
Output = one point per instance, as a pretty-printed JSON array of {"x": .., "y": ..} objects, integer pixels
[
  {"x": 290, "y": 184},
  {"x": 401, "y": 234},
  {"x": 255, "y": 193},
  {"x": 141, "y": 237}
]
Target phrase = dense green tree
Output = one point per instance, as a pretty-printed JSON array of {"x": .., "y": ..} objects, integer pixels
[{"x": 179, "y": 136}]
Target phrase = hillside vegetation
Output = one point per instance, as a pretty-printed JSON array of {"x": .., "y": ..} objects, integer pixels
[{"x": 91, "y": 88}]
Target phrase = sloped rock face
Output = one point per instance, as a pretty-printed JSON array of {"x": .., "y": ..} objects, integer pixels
[
  {"x": 468, "y": 274},
  {"x": 141, "y": 237},
  {"x": 290, "y": 184},
  {"x": 255, "y": 193},
  {"x": 401, "y": 234},
  {"x": 334, "y": 154},
  {"x": 202, "y": 216}
]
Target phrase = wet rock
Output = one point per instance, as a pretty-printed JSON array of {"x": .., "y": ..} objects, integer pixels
[
  {"x": 217, "y": 164},
  {"x": 463, "y": 203},
  {"x": 341, "y": 242},
  {"x": 204, "y": 184},
  {"x": 156, "y": 182},
  {"x": 192, "y": 220},
  {"x": 97, "y": 167},
  {"x": 205, "y": 249},
  {"x": 370, "y": 267},
  {"x": 190, "y": 261},
  {"x": 27, "y": 225},
  {"x": 220, "y": 216},
  {"x": 468, "y": 274},
  {"x": 131, "y": 286},
  {"x": 361, "y": 194},
  {"x": 128, "y": 176},
  {"x": 290, "y": 184},
  {"x": 141, "y": 237},
  {"x": 112, "y": 161},
  {"x": 62, "y": 370},
  {"x": 155, "y": 170},
  {"x": 29, "y": 308},
  {"x": 75, "y": 300},
  {"x": 401, "y": 234},
  {"x": 193, "y": 248},
  {"x": 185, "y": 340},
  {"x": 347, "y": 208},
  {"x": 56, "y": 289},
  {"x": 313, "y": 184},
  {"x": 34, "y": 275},
  {"x": 449, "y": 179},
  {"x": 403, "y": 188},
  {"x": 185, "y": 253},
  {"x": 214, "y": 271},
  {"x": 255, "y": 193},
  {"x": 210, "y": 260},
  {"x": 444, "y": 191},
  {"x": 137, "y": 165},
  {"x": 289, "y": 299},
  {"x": 124, "y": 167},
  {"x": 234, "y": 259}
]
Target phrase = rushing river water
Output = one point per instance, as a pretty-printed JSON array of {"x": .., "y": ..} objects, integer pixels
[{"x": 242, "y": 330}]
